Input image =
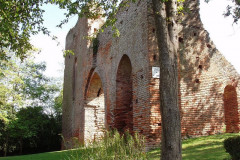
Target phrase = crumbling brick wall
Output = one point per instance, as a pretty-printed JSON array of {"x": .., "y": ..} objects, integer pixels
[{"x": 115, "y": 88}]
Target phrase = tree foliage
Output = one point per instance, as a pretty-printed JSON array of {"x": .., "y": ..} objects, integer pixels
[
  {"x": 19, "y": 19},
  {"x": 27, "y": 108},
  {"x": 35, "y": 131},
  {"x": 24, "y": 84},
  {"x": 32, "y": 131},
  {"x": 232, "y": 10}
]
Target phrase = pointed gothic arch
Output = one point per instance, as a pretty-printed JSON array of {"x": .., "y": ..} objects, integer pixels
[
  {"x": 123, "y": 112},
  {"x": 94, "y": 108},
  {"x": 231, "y": 109}
]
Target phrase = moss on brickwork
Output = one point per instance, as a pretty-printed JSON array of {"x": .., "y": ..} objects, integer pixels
[{"x": 95, "y": 45}]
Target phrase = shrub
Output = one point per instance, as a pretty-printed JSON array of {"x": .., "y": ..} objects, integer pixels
[
  {"x": 113, "y": 146},
  {"x": 232, "y": 146}
]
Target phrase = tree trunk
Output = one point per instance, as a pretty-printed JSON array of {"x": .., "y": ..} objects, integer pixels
[
  {"x": 21, "y": 146},
  {"x": 167, "y": 31},
  {"x": 6, "y": 147}
]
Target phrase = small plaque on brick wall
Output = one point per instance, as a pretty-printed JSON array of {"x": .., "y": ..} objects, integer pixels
[{"x": 155, "y": 72}]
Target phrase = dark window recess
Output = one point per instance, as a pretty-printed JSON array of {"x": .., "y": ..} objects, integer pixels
[
  {"x": 209, "y": 46},
  {"x": 136, "y": 100},
  {"x": 197, "y": 80},
  {"x": 154, "y": 57},
  {"x": 153, "y": 30},
  {"x": 200, "y": 67},
  {"x": 159, "y": 124},
  {"x": 99, "y": 91},
  {"x": 195, "y": 34},
  {"x": 180, "y": 39}
]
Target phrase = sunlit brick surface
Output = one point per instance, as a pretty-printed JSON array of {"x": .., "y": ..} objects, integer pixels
[{"x": 209, "y": 94}]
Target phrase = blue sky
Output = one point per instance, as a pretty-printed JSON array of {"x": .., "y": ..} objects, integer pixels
[
  {"x": 50, "y": 52},
  {"x": 224, "y": 35}
]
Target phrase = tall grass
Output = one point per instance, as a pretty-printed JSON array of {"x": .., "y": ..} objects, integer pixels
[{"x": 112, "y": 146}]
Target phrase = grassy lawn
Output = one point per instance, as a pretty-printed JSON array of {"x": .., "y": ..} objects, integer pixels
[
  {"x": 202, "y": 148},
  {"x": 59, "y": 155}
]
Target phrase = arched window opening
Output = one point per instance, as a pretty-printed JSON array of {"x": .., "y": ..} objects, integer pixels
[
  {"x": 123, "y": 112},
  {"x": 94, "y": 109},
  {"x": 231, "y": 109}
]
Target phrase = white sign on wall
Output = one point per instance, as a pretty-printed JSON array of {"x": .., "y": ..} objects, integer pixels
[{"x": 156, "y": 72}]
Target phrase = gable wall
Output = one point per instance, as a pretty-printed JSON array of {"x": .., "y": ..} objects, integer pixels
[{"x": 203, "y": 75}]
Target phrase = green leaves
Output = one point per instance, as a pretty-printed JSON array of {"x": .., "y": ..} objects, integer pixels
[
  {"x": 68, "y": 52},
  {"x": 21, "y": 19},
  {"x": 35, "y": 130},
  {"x": 18, "y": 20},
  {"x": 233, "y": 11},
  {"x": 27, "y": 104},
  {"x": 24, "y": 84}
]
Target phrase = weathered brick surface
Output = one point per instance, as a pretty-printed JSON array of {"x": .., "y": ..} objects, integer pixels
[{"x": 115, "y": 88}]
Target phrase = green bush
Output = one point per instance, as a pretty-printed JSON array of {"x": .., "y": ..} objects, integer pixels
[
  {"x": 232, "y": 146},
  {"x": 113, "y": 146}
]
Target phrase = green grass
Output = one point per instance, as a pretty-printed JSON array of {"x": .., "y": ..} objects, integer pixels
[
  {"x": 59, "y": 155},
  {"x": 202, "y": 148}
]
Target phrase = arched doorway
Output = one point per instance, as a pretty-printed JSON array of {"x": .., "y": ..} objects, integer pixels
[
  {"x": 231, "y": 109},
  {"x": 94, "y": 109},
  {"x": 123, "y": 112}
]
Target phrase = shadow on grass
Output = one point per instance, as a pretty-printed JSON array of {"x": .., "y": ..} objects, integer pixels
[
  {"x": 210, "y": 147},
  {"x": 201, "y": 148}
]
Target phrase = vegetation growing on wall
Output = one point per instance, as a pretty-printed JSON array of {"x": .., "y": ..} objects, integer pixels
[{"x": 95, "y": 45}]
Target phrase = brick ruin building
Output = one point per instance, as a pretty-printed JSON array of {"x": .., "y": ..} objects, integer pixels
[{"x": 116, "y": 86}]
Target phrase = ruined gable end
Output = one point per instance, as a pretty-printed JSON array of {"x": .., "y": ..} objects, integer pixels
[{"x": 117, "y": 85}]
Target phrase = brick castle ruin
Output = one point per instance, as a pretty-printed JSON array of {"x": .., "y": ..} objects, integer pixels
[{"x": 117, "y": 86}]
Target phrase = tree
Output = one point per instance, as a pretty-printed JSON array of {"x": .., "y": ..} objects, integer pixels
[
  {"x": 34, "y": 131},
  {"x": 18, "y": 20},
  {"x": 21, "y": 19},
  {"x": 165, "y": 13},
  {"x": 233, "y": 11},
  {"x": 22, "y": 85},
  {"x": 58, "y": 104}
]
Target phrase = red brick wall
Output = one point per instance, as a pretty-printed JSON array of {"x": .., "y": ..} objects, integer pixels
[
  {"x": 153, "y": 55},
  {"x": 231, "y": 109},
  {"x": 123, "y": 112},
  {"x": 94, "y": 121},
  {"x": 123, "y": 66}
]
